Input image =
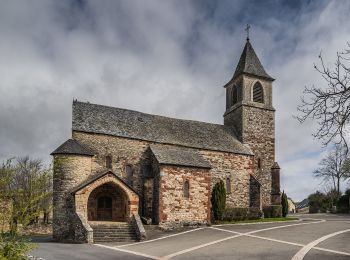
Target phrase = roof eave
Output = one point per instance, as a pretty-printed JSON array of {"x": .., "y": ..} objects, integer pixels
[
  {"x": 62, "y": 153},
  {"x": 268, "y": 78},
  {"x": 184, "y": 165}
]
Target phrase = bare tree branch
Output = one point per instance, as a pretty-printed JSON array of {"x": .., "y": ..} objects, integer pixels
[
  {"x": 334, "y": 167},
  {"x": 329, "y": 105}
]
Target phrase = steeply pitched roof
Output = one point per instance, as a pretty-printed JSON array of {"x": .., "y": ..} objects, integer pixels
[
  {"x": 249, "y": 63},
  {"x": 98, "y": 176},
  {"x": 99, "y": 119},
  {"x": 179, "y": 156},
  {"x": 72, "y": 146}
]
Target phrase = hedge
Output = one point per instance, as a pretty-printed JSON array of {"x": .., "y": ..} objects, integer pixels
[
  {"x": 238, "y": 214},
  {"x": 273, "y": 211}
]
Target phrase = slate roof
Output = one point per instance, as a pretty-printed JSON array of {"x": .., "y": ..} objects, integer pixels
[
  {"x": 249, "y": 63},
  {"x": 72, "y": 146},
  {"x": 98, "y": 176},
  {"x": 303, "y": 204},
  {"x": 100, "y": 119},
  {"x": 179, "y": 156}
]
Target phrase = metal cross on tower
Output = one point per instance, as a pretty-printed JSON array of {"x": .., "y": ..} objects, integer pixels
[{"x": 247, "y": 30}]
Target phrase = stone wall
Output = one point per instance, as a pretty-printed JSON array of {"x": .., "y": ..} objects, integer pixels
[
  {"x": 260, "y": 135},
  {"x": 255, "y": 125},
  {"x": 136, "y": 153},
  {"x": 255, "y": 194},
  {"x": 148, "y": 197},
  {"x": 123, "y": 151},
  {"x": 83, "y": 233},
  {"x": 275, "y": 192},
  {"x": 174, "y": 208},
  {"x": 236, "y": 167},
  {"x": 69, "y": 172}
]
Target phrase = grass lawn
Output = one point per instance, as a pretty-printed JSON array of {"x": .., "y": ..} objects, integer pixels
[{"x": 256, "y": 220}]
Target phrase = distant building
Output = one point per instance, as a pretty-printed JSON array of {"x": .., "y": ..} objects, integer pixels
[
  {"x": 303, "y": 206},
  {"x": 291, "y": 206}
]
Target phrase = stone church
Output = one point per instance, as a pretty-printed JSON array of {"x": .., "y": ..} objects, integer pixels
[{"x": 121, "y": 166}]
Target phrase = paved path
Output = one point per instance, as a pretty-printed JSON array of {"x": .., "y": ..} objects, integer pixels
[{"x": 317, "y": 236}]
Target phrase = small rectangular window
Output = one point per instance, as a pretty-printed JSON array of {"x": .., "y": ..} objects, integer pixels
[
  {"x": 109, "y": 162},
  {"x": 228, "y": 185},
  {"x": 186, "y": 189}
]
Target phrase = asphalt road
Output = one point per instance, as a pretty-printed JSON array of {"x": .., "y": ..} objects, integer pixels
[{"x": 317, "y": 236}]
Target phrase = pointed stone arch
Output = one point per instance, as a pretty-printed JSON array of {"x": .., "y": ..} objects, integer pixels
[{"x": 83, "y": 192}]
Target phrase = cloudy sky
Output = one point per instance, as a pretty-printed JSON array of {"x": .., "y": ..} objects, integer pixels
[{"x": 164, "y": 57}]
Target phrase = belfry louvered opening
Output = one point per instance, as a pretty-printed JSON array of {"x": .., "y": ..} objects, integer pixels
[{"x": 258, "y": 93}]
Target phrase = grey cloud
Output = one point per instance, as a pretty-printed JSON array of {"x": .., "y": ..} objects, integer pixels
[{"x": 158, "y": 57}]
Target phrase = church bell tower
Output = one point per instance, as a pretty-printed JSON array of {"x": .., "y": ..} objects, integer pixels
[{"x": 249, "y": 111}]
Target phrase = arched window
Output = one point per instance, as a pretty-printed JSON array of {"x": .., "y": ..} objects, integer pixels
[
  {"x": 129, "y": 174},
  {"x": 258, "y": 93},
  {"x": 109, "y": 162},
  {"x": 186, "y": 189},
  {"x": 234, "y": 97},
  {"x": 228, "y": 185}
]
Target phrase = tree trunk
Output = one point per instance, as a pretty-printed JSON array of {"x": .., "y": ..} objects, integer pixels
[{"x": 338, "y": 187}]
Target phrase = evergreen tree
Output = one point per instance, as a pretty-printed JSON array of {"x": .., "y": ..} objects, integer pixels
[
  {"x": 218, "y": 200},
  {"x": 284, "y": 202}
]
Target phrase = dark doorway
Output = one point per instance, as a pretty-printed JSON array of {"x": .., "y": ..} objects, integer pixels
[
  {"x": 107, "y": 203},
  {"x": 104, "y": 208}
]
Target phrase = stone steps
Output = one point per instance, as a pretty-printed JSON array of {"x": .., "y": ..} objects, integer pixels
[{"x": 113, "y": 232}]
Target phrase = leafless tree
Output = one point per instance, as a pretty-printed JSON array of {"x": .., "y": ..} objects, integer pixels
[
  {"x": 329, "y": 105},
  {"x": 333, "y": 167},
  {"x": 331, "y": 193},
  {"x": 27, "y": 185}
]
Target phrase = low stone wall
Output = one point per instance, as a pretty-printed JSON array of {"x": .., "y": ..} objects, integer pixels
[
  {"x": 140, "y": 230},
  {"x": 82, "y": 231}
]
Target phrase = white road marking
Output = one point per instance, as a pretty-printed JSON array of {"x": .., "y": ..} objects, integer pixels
[
  {"x": 282, "y": 241},
  {"x": 160, "y": 238},
  {"x": 237, "y": 234},
  {"x": 227, "y": 238},
  {"x": 260, "y": 223},
  {"x": 302, "y": 252},
  {"x": 130, "y": 252},
  {"x": 198, "y": 247},
  {"x": 300, "y": 245},
  {"x": 290, "y": 225},
  {"x": 225, "y": 230},
  {"x": 276, "y": 240},
  {"x": 331, "y": 251}
]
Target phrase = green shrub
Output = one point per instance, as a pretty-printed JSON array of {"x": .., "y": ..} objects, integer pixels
[
  {"x": 13, "y": 247},
  {"x": 318, "y": 202},
  {"x": 235, "y": 214},
  {"x": 238, "y": 214},
  {"x": 284, "y": 202},
  {"x": 255, "y": 213},
  {"x": 218, "y": 200},
  {"x": 272, "y": 211},
  {"x": 343, "y": 204}
]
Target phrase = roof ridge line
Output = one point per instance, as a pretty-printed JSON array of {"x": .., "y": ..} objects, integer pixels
[{"x": 148, "y": 114}]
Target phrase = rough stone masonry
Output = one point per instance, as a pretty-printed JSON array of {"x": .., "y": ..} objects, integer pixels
[{"x": 121, "y": 164}]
